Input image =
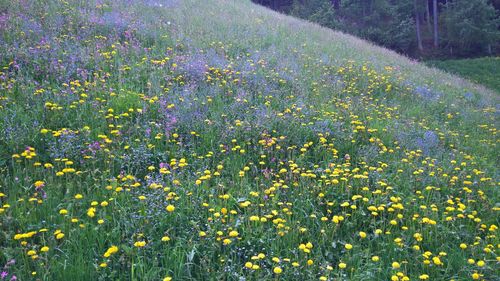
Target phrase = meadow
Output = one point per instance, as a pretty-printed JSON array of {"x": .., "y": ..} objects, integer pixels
[
  {"x": 480, "y": 70},
  {"x": 218, "y": 140}
]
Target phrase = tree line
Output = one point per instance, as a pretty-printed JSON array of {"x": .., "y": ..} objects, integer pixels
[{"x": 419, "y": 28}]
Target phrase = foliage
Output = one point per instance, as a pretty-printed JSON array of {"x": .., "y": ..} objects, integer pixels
[{"x": 471, "y": 26}]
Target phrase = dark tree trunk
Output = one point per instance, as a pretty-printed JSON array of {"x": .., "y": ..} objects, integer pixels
[
  {"x": 435, "y": 12},
  {"x": 428, "y": 15},
  {"x": 417, "y": 25}
]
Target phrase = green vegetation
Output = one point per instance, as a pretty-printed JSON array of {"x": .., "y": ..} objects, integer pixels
[
  {"x": 483, "y": 71},
  {"x": 418, "y": 28},
  {"x": 219, "y": 140}
]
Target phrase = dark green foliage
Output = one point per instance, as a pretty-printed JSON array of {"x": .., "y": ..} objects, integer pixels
[{"x": 471, "y": 26}]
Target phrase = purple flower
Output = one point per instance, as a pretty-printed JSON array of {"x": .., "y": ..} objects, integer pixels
[{"x": 4, "y": 274}]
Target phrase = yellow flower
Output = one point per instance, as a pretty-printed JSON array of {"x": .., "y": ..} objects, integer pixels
[
  {"x": 348, "y": 246},
  {"x": 396, "y": 265},
  {"x": 423, "y": 277},
  {"x": 202, "y": 234},
  {"x": 91, "y": 212},
  {"x": 254, "y": 218},
  {"x": 44, "y": 249},
  {"x": 24, "y": 235},
  {"x": 113, "y": 249},
  {"x": 463, "y": 246},
  {"x": 140, "y": 244},
  {"x": 437, "y": 261},
  {"x": 170, "y": 208},
  {"x": 103, "y": 265},
  {"x": 342, "y": 265},
  {"x": 362, "y": 234},
  {"x": 277, "y": 270},
  {"x": 39, "y": 184},
  {"x": 375, "y": 258},
  {"x": 165, "y": 239},
  {"x": 233, "y": 233},
  {"x": 480, "y": 263},
  {"x": 168, "y": 278},
  {"x": 248, "y": 264}
]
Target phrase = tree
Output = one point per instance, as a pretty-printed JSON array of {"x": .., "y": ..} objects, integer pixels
[
  {"x": 471, "y": 26},
  {"x": 428, "y": 15},
  {"x": 417, "y": 25},
  {"x": 435, "y": 21}
]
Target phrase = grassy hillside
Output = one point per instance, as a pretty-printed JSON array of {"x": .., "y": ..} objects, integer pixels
[
  {"x": 209, "y": 140},
  {"x": 484, "y": 71}
]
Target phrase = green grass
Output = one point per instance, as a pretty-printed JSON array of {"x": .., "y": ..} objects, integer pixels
[
  {"x": 288, "y": 151},
  {"x": 481, "y": 70}
]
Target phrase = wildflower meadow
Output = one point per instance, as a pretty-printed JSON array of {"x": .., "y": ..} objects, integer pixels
[{"x": 218, "y": 140}]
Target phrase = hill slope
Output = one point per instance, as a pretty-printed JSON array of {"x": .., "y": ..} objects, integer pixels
[{"x": 204, "y": 140}]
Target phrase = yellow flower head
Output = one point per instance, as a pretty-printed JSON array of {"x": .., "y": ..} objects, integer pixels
[
  {"x": 140, "y": 244},
  {"x": 113, "y": 249},
  {"x": 170, "y": 208}
]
